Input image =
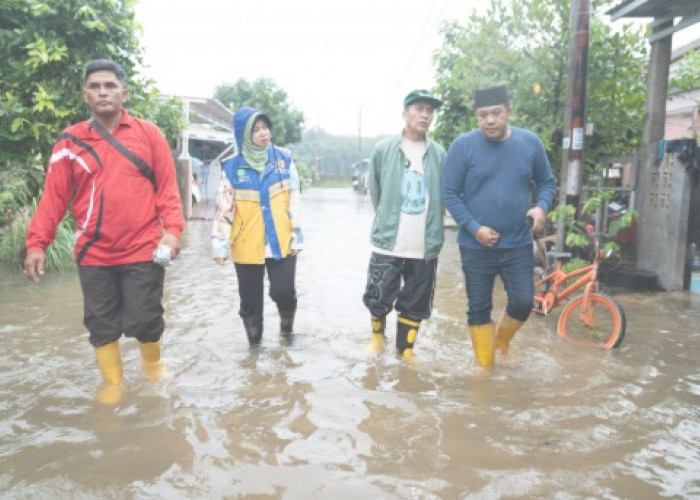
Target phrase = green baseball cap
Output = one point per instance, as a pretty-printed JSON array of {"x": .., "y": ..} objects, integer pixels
[{"x": 421, "y": 95}]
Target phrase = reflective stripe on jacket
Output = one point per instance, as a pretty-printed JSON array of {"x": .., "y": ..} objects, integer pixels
[{"x": 261, "y": 213}]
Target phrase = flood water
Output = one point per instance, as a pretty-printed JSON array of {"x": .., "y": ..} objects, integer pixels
[{"x": 322, "y": 417}]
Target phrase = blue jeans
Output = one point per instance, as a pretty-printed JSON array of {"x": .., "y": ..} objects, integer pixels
[{"x": 513, "y": 265}]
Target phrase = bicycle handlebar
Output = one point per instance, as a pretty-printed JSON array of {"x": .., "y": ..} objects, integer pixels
[{"x": 584, "y": 228}]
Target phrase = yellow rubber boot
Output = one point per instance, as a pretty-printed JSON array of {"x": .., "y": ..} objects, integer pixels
[
  {"x": 505, "y": 331},
  {"x": 109, "y": 361},
  {"x": 408, "y": 357},
  {"x": 376, "y": 344},
  {"x": 484, "y": 343},
  {"x": 153, "y": 367},
  {"x": 406, "y": 334}
]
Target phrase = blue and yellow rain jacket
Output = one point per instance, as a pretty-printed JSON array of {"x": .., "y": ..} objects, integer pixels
[{"x": 257, "y": 212}]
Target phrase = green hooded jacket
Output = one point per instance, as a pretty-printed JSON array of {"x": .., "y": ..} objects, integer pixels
[{"x": 386, "y": 168}]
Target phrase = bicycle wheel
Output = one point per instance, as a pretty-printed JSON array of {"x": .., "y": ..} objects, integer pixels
[{"x": 603, "y": 325}]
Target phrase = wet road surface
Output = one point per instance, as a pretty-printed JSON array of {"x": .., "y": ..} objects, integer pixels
[{"x": 322, "y": 417}]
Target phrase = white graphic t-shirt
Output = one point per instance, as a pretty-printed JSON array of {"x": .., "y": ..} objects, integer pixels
[{"x": 410, "y": 239}]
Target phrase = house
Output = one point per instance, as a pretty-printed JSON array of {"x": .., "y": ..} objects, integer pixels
[
  {"x": 669, "y": 195},
  {"x": 683, "y": 108},
  {"x": 208, "y": 135},
  {"x": 210, "y": 128}
]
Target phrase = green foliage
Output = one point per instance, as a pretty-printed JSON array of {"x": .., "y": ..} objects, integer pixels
[
  {"x": 616, "y": 92},
  {"x": 686, "y": 76},
  {"x": 16, "y": 188},
  {"x": 525, "y": 46},
  {"x": 12, "y": 237},
  {"x": 265, "y": 95},
  {"x": 59, "y": 255},
  {"x": 330, "y": 154},
  {"x": 305, "y": 174},
  {"x": 44, "y": 45},
  {"x": 575, "y": 238},
  {"x": 333, "y": 182},
  {"x": 166, "y": 112}
]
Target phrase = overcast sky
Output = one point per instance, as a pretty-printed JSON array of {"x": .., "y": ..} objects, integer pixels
[{"x": 346, "y": 65}]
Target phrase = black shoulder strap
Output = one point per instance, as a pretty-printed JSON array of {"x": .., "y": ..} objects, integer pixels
[{"x": 143, "y": 167}]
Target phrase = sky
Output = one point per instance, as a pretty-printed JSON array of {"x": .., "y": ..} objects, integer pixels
[{"x": 346, "y": 65}]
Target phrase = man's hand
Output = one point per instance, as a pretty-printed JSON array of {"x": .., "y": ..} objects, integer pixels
[
  {"x": 538, "y": 218},
  {"x": 34, "y": 265},
  {"x": 173, "y": 242},
  {"x": 486, "y": 236}
]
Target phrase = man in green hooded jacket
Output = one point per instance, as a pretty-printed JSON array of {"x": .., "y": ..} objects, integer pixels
[{"x": 407, "y": 232}]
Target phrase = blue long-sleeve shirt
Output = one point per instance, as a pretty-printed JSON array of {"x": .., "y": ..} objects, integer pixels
[{"x": 489, "y": 183}]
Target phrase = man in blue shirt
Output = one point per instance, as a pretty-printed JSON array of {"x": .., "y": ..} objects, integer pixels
[{"x": 488, "y": 182}]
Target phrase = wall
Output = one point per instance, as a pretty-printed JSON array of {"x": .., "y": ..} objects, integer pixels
[{"x": 665, "y": 191}]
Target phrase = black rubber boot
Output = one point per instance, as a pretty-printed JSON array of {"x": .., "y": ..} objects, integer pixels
[
  {"x": 378, "y": 327},
  {"x": 287, "y": 323},
  {"x": 406, "y": 332},
  {"x": 253, "y": 329}
]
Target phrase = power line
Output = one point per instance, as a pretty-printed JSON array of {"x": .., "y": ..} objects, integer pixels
[{"x": 419, "y": 40}]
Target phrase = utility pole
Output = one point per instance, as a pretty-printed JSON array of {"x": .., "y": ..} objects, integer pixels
[
  {"x": 575, "y": 111},
  {"x": 577, "y": 102},
  {"x": 359, "y": 134},
  {"x": 185, "y": 167}
]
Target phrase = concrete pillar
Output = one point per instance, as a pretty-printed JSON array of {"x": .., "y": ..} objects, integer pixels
[
  {"x": 660, "y": 201},
  {"x": 184, "y": 184},
  {"x": 657, "y": 85},
  {"x": 663, "y": 202},
  {"x": 184, "y": 170}
]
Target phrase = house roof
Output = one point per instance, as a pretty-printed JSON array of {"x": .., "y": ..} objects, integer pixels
[
  {"x": 209, "y": 110},
  {"x": 209, "y": 120},
  {"x": 661, "y": 10},
  {"x": 205, "y": 132},
  {"x": 681, "y": 51}
]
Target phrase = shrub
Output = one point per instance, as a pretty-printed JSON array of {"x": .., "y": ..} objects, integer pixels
[{"x": 59, "y": 255}]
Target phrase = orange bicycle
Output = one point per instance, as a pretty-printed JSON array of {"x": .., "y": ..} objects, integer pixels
[{"x": 592, "y": 318}]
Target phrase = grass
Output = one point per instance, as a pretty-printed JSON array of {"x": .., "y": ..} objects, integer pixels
[
  {"x": 59, "y": 255},
  {"x": 333, "y": 182}
]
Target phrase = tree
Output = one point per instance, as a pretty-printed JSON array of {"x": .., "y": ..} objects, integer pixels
[
  {"x": 525, "y": 46},
  {"x": 331, "y": 155},
  {"x": 44, "y": 45},
  {"x": 686, "y": 76},
  {"x": 267, "y": 96}
]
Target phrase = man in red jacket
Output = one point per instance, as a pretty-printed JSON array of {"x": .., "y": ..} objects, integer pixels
[{"x": 117, "y": 174}]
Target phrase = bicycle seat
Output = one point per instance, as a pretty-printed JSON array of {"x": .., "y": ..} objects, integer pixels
[{"x": 559, "y": 255}]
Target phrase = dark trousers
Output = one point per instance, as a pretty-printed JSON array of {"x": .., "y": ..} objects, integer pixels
[
  {"x": 280, "y": 273},
  {"x": 408, "y": 285},
  {"x": 123, "y": 299},
  {"x": 513, "y": 265}
]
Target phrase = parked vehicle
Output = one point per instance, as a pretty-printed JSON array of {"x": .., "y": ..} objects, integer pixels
[
  {"x": 196, "y": 195},
  {"x": 196, "y": 173},
  {"x": 360, "y": 177}
]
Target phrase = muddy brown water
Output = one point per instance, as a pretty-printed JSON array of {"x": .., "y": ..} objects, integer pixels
[{"x": 323, "y": 418}]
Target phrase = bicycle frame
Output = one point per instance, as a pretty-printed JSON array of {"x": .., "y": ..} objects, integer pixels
[
  {"x": 551, "y": 296},
  {"x": 591, "y": 318}
]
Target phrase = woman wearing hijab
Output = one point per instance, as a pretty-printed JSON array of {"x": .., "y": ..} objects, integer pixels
[{"x": 257, "y": 222}]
